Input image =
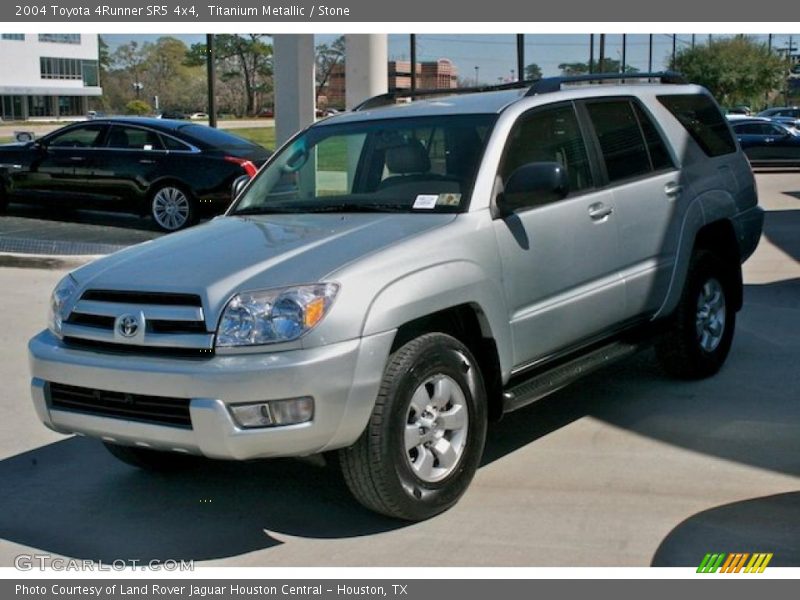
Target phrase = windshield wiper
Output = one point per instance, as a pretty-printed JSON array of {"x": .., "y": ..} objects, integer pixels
[
  {"x": 265, "y": 210},
  {"x": 351, "y": 207}
]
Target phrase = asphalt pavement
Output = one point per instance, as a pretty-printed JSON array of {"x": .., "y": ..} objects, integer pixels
[{"x": 624, "y": 468}]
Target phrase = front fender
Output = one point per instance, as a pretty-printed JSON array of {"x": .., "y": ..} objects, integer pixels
[{"x": 438, "y": 287}]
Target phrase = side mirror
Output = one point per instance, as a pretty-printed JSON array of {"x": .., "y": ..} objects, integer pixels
[
  {"x": 238, "y": 185},
  {"x": 533, "y": 184}
]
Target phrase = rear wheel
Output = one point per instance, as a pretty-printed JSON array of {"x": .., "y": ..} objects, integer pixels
[
  {"x": 425, "y": 438},
  {"x": 172, "y": 208},
  {"x": 703, "y": 324},
  {"x": 151, "y": 460}
]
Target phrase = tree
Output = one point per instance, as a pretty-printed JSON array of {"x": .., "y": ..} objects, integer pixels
[
  {"x": 736, "y": 70},
  {"x": 129, "y": 58},
  {"x": 137, "y": 107},
  {"x": 533, "y": 71},
  {"x": 327, "y": 59},
  {"x": 244, "y": 58}
]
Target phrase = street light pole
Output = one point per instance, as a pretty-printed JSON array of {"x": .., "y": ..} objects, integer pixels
[
  {"x": 211, "y": 70},
  {"x": 520, "y": 55},
  {"x": 413, "y": 43},
  {"x": 650, "y": 56},
  {"x": 477, "y": 68},
  {"x": 591, "y": 53}
]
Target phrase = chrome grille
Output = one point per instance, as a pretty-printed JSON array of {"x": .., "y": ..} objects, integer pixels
[{"x": 174, "y": 323}]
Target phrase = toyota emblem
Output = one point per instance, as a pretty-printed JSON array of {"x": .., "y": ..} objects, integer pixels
[{"x": 128, "y": 326}]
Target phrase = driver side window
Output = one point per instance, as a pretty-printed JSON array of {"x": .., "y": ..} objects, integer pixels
[
  {"x": 77, "y": 137},
  {"x": 549, "y": 135}
]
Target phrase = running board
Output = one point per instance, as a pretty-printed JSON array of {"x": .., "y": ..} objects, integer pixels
[{"x": 543, "y": 383}]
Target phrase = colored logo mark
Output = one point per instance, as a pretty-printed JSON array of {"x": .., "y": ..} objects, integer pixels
[{"x": 734, "y": 562}]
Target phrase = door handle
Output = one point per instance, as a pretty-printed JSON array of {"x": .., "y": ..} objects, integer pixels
[
  {"x": 673, "y": 190},
  {"x": 146, "y": 161},
  {"x": 599, "y": 211},
  {"x": 77, "y": 158},
  {"x": 769, "y": 140}
]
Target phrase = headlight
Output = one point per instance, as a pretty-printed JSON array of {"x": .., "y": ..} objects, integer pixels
[
  {"x": 61, "y": 295},
  {"x": 273, "y": 316}
]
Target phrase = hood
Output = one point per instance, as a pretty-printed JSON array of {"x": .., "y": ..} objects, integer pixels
[{"x": 234, "y": 254}]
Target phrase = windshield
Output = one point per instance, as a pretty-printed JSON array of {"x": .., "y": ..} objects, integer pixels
[{"x": 400, "y": 165}]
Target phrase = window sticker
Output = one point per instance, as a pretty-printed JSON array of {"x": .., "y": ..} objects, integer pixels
[{"x": 426, "y": 201}]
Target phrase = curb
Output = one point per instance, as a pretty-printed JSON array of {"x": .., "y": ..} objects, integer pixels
[{"x": 15, "y": 260}]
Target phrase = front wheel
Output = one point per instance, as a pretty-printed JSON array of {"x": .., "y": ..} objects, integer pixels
[
  {"x": 171, "y": 208},
  {"x": 702, "y": 327},
  {"x": 425, "y": 438}
]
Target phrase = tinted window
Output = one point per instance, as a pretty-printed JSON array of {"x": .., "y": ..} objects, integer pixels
[
  {"x": 659, "y": 156},
  {"x": 549, "y": 135},
  {"x": 701, "y": 118},
  {"x": 77, "y": 137},
  {"x": 133, "y": 138},
  {"x": 620, "y": 137},
  {"x": 209, "y": 136},
  {"x": 170, "y": 143},
  {"x": 747, "y": 128}
]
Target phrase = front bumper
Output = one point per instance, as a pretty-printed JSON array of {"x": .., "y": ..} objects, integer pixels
[{"x": 342, "y": 378}]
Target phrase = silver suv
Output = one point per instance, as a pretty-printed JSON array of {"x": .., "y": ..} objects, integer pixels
[{"x": 397, "y": 277}]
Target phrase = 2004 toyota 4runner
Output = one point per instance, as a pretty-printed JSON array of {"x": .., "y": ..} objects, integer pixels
[{"x": 396, "y": 277}]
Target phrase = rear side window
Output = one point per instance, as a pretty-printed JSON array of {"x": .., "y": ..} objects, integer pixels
[
  {"x": 659, "y": 156},
  {"x": 620, "y": 137},
  {"x": 701, "y": 118}
]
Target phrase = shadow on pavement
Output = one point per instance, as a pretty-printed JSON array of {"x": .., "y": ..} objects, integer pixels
[
  {"x": 73, "y": 498},
  {"x": 749, "y": 412},
  {"x": 782, "y": 228},
  {"x": 768, "y": 524}
]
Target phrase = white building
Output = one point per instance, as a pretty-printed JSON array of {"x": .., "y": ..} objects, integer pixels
[{"x": 47, "y": 75}]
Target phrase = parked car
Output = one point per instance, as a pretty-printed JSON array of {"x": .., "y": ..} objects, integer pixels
[
  {"x": 199, "y": 116},
  {"x": 396, "y": 277},
  {"x": 266, "y": 113},
  {"x": 781, "y": 111},
  {"x": 175, "y": 171},
  {"x": 768, "y": 143},
  {"x": 175, "y": 115},
  {"x": 740, "y": 110}
]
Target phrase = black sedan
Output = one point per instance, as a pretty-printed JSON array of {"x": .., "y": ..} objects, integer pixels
[
  {"x": 174, "y": 171},
  {"x": 767, "y": 143}
]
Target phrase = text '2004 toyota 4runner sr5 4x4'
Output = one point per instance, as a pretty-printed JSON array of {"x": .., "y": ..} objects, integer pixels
[{"x": 396, "y": 277}]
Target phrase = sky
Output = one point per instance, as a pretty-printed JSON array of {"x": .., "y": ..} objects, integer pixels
[{"x": 494, "y": 55}]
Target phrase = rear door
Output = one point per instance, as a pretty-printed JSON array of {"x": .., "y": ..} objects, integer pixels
[
  {"x": 560, "y": 260},
  {"x": 133, "y": 158},
  {"x": 647, "y": 198}
]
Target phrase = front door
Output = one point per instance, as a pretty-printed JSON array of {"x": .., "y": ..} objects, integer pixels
[{"x": 560, "y": 260}]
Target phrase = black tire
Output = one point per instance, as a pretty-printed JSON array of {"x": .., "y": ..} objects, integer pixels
[
  {"x": 152, "y": 460},
  {"x": 380, "y": 471},
  {"x": 185, "y": 211},
  {"x": 683, "y": 350}
]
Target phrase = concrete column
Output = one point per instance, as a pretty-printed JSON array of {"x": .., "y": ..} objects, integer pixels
[
  {"x": 366, "y": 68},
  {"x": 295, "y": 105}
]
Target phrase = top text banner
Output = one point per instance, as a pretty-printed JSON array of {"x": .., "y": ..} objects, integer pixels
[{"x": 381, "y": 11}]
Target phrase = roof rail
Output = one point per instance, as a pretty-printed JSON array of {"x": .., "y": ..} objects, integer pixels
[
  {"x": 392, "y": 97},
  {"x": 553, "y": 84},
  {"x": 536, "y": 86}
]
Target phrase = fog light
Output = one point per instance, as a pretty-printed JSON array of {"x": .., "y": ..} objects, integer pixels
[{"x": 274, "y": 412}]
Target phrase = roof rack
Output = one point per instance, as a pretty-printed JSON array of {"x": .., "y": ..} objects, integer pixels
[
  {"x": 392, "y": 97},
  {"x": 553, "y": 84},
  {"x": 537, "y": 86}
]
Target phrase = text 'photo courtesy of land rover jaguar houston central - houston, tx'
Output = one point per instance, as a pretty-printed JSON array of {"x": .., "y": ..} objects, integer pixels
[{"x": 397, "y": 277}]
